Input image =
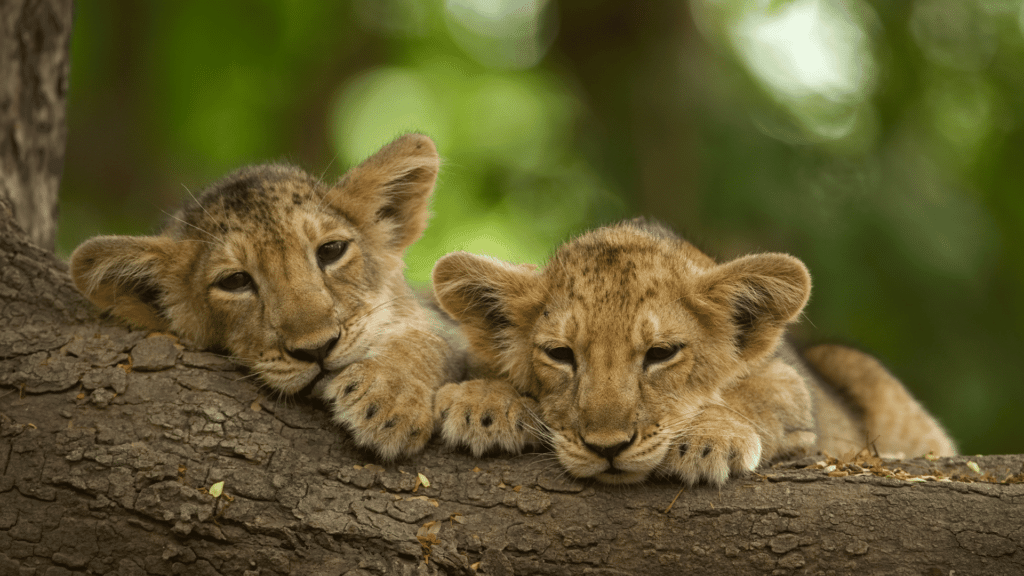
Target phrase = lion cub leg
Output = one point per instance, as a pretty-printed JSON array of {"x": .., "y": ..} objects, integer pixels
[
  {"x": 386, "y": 400},
  {"x": 893, "y": 420},
  {"x": 759, "y": 418},
  {"x": 484, "y": 415}
]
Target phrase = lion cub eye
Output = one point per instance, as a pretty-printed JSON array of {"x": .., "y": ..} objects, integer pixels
[
  {"x": 658, "y": 354},
  {"x": 561, "y": 354},
  {"x": 236, "y": 282},
  {"x": 330, "y": 252}
]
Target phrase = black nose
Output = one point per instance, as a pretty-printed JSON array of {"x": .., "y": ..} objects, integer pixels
[
  {"x": 610, "y": 452},
  {"x": 316, "y": 355}
]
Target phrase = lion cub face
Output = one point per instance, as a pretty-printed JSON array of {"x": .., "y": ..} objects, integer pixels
[
  {"x": 293, "y": 277},
  {"x": 625, "y": 336}
]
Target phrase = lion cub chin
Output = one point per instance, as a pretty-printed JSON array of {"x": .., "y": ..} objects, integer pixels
[
  {"x": 301, "y": 282},
  {"x": 634, "y": 353}
]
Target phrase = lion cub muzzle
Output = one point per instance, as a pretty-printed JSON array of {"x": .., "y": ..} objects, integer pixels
[
  {"x": 607, "y": 407},
  {"x": 607, "y": 449},
  {"x": 305, "y": 318},
  {"x": 607, "y": 429},
  {"x": 311, "y": 355}
]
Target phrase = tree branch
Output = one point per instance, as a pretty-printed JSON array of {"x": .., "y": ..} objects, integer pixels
[{"x": 110, "y": 441}]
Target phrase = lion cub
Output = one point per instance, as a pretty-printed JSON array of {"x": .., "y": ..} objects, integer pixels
[
  {"x": 634, "y": 353},
  {"x": 302, "y": 283}
]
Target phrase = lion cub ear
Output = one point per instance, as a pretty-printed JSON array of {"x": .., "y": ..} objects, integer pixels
[
  {"x": 762, "y": 293},
  {"x": 121, "y": 275},
  {"x": 391, "y": 190},
  {"x": 488, "y": 297}
]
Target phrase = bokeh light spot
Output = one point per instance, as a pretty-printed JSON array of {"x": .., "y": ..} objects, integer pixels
[
  {"x": 508, "y": 34},
  {"x": 378, "y": 106}
]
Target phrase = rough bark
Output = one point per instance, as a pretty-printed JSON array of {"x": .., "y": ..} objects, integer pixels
[
  {"x": 34, "y": 38},
  {"x": 110, "y": 441}
]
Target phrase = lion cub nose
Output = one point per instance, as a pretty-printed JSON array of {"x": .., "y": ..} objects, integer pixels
[
  {"x": 317, "y": 355},
  {"x": 609, "y": 451}
]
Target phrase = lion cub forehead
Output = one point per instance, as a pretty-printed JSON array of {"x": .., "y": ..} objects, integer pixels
[
  {"x": 626, "y": 262},
  {"x": 627, "y": 281},
  {"x": 263, "y": 198}
]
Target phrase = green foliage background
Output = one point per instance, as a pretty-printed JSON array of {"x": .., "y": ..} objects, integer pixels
[{"x": 879, "y": 141}]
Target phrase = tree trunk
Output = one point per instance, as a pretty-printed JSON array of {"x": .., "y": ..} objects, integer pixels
[
  {"x": 630, "y": 63},
  {"x": 34, "y": 38},
  {"x": 110, "y": 442}
]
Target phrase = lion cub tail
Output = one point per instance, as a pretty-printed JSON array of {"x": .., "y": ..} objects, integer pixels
[{"x": 896, "y": 423}]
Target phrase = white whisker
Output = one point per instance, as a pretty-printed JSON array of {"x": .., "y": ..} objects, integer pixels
[
  {"x": 196, "y": 200},
  {"x": 216, "y": 240}
]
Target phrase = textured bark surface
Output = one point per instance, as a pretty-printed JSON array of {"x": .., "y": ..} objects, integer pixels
[
  {"x": 34, "y": 38},
  {"x": 110, "y": 441}
]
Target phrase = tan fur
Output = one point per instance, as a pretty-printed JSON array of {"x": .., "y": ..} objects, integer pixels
[
  {"x": 895, "y": 424},
  {"x": 633, "y": 353},
  {"x": 342, "y": 320}
]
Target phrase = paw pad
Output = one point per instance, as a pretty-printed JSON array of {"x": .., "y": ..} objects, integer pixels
[{"x": 488, "y": 415}]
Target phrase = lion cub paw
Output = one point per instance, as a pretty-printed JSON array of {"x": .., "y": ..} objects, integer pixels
[
  {"x": 712, "y": 446},
  {"x": 484, "y": 415},
  {"x": 384, "y": 408}
]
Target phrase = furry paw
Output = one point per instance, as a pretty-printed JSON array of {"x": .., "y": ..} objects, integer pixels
[
  {"x": 385, "y": 408},
  {"x": 485, "y": 414},
  {"x": 712, "y": 446}
]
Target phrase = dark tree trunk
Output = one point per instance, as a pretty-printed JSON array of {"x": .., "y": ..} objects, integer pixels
[
  {"x": 34, "y": 37},
  {"x": 110, "y": 441},
  {"x": 630, "y": 62}
]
